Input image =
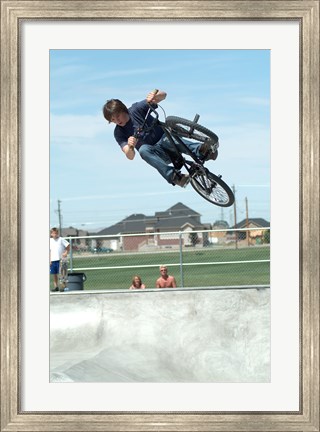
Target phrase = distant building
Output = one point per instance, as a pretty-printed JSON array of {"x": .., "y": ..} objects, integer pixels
[
  {"x": 162, "y": 228},
  {"x": 219, "y": 237},
  {"x": 80, "y": 244},
  {"x": 252, "y": 236}
]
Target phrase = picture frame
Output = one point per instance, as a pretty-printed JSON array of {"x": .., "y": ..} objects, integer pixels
[{"x": 14, "y": 12}]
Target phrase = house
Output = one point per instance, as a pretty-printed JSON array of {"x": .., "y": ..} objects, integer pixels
[
  {"x": 219, "y": 233},
  {"x": 79, "y": 244},
  {"x": 252, "y": 236},
  {"x": 162, "y": 228}
]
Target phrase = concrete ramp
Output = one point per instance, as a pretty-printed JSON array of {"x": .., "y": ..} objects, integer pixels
[{"x": 170, "y": 335}]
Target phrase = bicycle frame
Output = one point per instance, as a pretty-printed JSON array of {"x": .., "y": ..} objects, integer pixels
[
  {"x": 202, "y": 180},
  {"x": 176, "y": 157}
]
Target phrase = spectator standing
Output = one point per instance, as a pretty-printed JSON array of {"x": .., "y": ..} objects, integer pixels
[{"x": 59, "y": 248}]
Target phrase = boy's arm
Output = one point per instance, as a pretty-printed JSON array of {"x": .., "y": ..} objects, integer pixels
[
  {"x": 66, "y": 248},
  {"x": 128, "y": 149},
  {"x": 65, "y": 253},
  {"x": 126, "y": 145}
]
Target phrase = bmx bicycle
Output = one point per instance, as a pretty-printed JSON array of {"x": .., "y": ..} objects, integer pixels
[
  {"x": 63, "y": 273},
  {"x": 210, "y": 186}
]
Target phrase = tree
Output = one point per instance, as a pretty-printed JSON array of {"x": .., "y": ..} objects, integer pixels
[
  {"x": 266, "y": 237},
  {"x": 194, "y": 238}
]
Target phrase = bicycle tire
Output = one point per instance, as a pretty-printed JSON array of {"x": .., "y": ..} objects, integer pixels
[
  {"x": 189, "y": 129},
  {"x": 212, "y": 188}
]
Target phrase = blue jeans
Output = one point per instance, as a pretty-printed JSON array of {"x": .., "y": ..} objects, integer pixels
[{"x": 156, "y": 155}]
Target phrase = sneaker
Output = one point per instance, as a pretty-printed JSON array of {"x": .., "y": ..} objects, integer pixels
[
  {"x": 55, "y": 289},
  {"x": 181, "y": 179},
  {"x": 212, "y": 155},
  {"x": 206, "y": 150}
]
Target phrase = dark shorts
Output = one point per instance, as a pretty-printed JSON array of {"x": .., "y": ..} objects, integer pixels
[{"x": 54, "y": 267}]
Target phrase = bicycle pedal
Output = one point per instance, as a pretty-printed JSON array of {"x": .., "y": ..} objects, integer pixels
[{"x": 181, "y": 180}]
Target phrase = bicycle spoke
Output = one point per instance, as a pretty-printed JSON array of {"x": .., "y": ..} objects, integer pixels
[
  {"x": 190, "y": 129},
  {"x": 205, "y": 184},
  {"x": 195, "y": 135},
  {"x": 210, "y": 189}
]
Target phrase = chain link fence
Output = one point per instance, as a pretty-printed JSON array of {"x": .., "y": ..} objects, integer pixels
[{"x": 237, "y": 257}]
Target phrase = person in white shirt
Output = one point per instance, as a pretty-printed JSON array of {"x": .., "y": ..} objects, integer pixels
[{"x": 59, "y": 248}]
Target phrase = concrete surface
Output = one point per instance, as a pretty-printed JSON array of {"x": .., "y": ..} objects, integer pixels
[{"x": 169, "y": 335}]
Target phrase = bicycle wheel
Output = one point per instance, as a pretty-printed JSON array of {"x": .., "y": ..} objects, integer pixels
[
  {"x": 189, "y": 129},
  {"x": 212, "y": 188}
]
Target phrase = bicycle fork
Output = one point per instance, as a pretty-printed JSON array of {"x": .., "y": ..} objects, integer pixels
[{"x": 199, "y": 174}]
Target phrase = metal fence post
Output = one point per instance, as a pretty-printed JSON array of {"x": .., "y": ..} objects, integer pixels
[
  {"x": 181, "y": 262},
  {"x": 71, "y": 255}
]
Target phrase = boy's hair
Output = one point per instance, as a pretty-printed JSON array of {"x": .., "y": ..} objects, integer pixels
[
  {"x": 54, "y": 230},
  {"x": 113, "y": 106}
]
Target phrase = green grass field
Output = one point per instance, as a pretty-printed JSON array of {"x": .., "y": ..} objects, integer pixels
[{"x": 199, "y": 268}]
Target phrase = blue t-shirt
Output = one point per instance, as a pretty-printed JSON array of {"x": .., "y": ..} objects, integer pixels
[{"x": 137, "y": 113}]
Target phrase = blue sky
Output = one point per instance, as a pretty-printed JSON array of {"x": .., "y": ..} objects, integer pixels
[{"x": 98, "y": 186}]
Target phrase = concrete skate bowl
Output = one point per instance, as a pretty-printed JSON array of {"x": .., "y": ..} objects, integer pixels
[{"x": 206, "y": 335}]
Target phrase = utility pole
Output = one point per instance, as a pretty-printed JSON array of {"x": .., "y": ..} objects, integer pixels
[
  {"x": 222, "y": 214},
  {"x": 247, "y": 222},
  {"x": 235, "y": 216},
  {"x": 60, "y": 217}
]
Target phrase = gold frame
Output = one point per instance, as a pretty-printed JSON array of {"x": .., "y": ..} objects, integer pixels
[{"x": 307, "y": 13}]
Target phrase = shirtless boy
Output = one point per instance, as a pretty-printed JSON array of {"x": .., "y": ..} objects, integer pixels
[{"x": 165, "y": 281}]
